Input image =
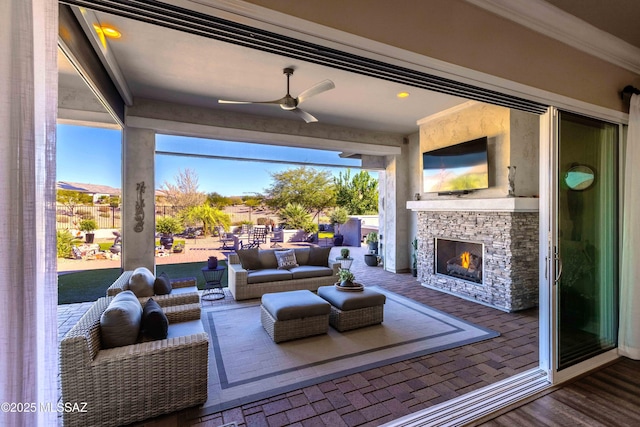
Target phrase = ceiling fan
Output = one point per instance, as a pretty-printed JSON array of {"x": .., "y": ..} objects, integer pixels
[{"x": 290, "y": 103}]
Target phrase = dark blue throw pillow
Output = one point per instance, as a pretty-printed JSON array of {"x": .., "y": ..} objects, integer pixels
[{"x": 154, "y": 322}]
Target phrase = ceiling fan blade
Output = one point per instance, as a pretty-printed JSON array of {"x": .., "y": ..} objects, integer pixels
[
  {"x": 304, "y": 115},
  {"x": 277, "y": 102},
  {"x": 316, "y": 89}
]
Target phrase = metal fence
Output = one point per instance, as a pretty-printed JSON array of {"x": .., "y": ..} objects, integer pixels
[
  {"x": 111, "y": 217},
  {"x": 104, "y": 215}
]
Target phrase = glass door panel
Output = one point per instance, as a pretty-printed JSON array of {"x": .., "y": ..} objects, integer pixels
[{"x": 587, "y": 238}]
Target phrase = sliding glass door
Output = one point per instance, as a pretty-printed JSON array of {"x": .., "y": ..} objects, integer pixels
[{"x": 585, "y": 244}]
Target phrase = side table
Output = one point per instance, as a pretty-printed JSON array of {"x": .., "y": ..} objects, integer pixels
[{"x": 213, "y": 283}]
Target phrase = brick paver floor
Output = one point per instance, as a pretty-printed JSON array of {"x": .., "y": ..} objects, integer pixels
[{"x": 379, "y": 395}]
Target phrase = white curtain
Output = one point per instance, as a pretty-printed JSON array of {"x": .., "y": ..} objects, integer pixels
[
  {"x": 28, "y": 284},
  {"x": 629, "y": 335}
]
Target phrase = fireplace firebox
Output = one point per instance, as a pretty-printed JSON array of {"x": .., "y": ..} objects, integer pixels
[{"x": 459, "y": 259}]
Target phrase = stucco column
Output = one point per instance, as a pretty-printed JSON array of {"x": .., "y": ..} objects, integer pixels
[
  {"x": 394, "y": 218},
  {"x": 138, "y": 199}
]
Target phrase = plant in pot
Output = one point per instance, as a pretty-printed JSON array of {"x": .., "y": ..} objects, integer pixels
[
  {"x": 347, "y": 278},
  {"x": 88, "y": 225},
  {"x": 338, "y": 217},
  {"x": 344, "y": 259},
  {"x": 372, "y": 241},
  {"x": 178, "y": 248},
  {"x": 167, "y": 226},
  {"x": 414, "y": 257}
]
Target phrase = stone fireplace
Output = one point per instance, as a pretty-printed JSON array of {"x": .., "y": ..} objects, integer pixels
[{"x": 501, "y": 239}]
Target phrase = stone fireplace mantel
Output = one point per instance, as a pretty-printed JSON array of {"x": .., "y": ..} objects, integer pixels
[{"x": 506, "y": 204}]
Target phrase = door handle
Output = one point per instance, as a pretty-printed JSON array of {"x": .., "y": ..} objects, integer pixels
[{"x": 558, "y": 261}]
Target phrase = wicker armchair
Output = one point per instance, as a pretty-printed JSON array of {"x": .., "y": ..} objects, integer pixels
[
  {"x": 184, "y": 291},
  {"x": 126, "y": 384}
]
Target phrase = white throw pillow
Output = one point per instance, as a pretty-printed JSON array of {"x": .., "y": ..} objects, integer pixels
[
  {"x": 286, "y": 259},
  {"x": 141, "y": 282},
  {"x": 120, "y": 322}
]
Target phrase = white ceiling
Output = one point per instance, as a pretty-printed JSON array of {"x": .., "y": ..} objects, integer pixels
[{"x": 178, "y": 67}]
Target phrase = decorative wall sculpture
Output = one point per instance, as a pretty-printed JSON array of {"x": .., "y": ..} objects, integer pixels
[{"x": 139, "y": 215}]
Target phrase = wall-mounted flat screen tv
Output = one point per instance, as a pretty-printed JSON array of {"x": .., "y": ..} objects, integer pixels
[{"x": 458, "y": 168}]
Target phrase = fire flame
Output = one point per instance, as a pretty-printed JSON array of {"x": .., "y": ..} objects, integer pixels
[{"x": 465, "y": 259}]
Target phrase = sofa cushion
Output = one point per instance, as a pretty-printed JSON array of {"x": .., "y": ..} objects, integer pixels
[
  {"x": 302, "y": 256},
  {"x": 162, "y": 284},
  {"x": 249, "y": 258},
  {"x": 141, "y": 282},
  {"x": 268, "y": 258},
  {"x": 154, "y": 322},
  {"x": 319, "y": 256},
  {"x": 286, "y": 259},
  {"x": 295, "y": 305},
  {"x": 268, "y": 275},
  {"x": 307, "y": 271},
  {"x": 346, "y": 301},
  {"x": 120, "y": 322}
]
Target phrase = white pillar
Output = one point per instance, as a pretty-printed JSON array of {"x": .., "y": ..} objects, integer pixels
[
  {"x": 28, "y": 280},
  {"x": 138, "y": 199}
]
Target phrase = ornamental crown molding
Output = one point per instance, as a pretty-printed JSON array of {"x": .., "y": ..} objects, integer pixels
[{"x": 553, "y": 22}]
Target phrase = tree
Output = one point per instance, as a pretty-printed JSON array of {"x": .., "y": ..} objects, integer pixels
[
  {"x": 71, "y": 199},
  {"x": 184, "y": 192},
  {"x": 358, "y": 195},
  {"x": 219, "y": 201},
  {"x": 206, "y": 215},
  {"x": 308, "y": 187}
]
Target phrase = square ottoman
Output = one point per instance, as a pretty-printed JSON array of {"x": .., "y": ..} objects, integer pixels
[
  {"x": 352, "y": 310},
  {"x": 294, "y": 314}
]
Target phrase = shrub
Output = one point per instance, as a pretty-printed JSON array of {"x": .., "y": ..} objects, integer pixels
[
  {"x": 87, "y": 225},
  {"x": 262, "y": 221},
  {"x": 64, "y": 243},
  {"x": 168, "y": 225}
]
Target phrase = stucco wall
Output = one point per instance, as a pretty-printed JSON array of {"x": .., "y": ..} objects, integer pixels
[{"x": 513, "y": 140}]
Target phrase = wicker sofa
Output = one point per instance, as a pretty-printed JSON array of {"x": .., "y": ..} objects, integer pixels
[
  {"x": 126, "y": 384},
  {"x": 184, "y": 291},
  {"x": 315, "y": 270}
]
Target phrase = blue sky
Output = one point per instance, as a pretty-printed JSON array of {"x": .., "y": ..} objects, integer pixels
[{"x": 93, "y": 156}]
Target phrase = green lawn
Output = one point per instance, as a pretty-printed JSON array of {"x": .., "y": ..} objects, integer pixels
[{"x": 90, "y": 285}]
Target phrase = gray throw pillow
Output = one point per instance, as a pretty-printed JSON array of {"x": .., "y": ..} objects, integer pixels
[
  {"x": 154, "y": 323},
  {"x": 162, "y": 284},
  {"x": 250, "y": 259},
  {"x": 286, "y": 259},
  {"x": 319, "y": 256},
  {"x": 141, "y": 282},
  {"x": 120, "y": 322}
]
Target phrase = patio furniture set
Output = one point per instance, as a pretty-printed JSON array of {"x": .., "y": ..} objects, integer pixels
[{"x": 137, "y": 353}]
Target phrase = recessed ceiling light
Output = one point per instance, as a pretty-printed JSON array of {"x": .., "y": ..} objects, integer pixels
[
  {"x": 110, "y": 32},
  {"x": 107, "y": 31},
  {"x": 402, "y": 95}
]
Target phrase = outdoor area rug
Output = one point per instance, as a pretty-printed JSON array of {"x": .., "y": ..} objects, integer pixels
[{"x": 245, "y": 365}]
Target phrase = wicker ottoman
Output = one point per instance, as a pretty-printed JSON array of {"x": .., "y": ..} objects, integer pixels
[
  {"x": 352, "y": 310},
  {"x": 294, "y": 314}
]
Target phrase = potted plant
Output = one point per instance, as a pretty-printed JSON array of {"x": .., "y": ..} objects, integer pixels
[
  {"x": 88, "y": 226},
  {"x": 338, "y": 217},
  {"x": 344, "y": 259},
  {"x": 414, "y": 257},
  {"x": 178, "y": 248},
  {"x": 167, "y": 226},
  {"x": 372, "y": 241},
  {"x": 347, "y": 278},
  {"x": 371, "y": 259}
]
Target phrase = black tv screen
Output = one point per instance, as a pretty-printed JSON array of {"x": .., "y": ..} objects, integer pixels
[{"x": 457, "y": 168}]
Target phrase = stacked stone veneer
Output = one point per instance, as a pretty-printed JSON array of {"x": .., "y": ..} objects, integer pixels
[{"x": 510, "y": 272}]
